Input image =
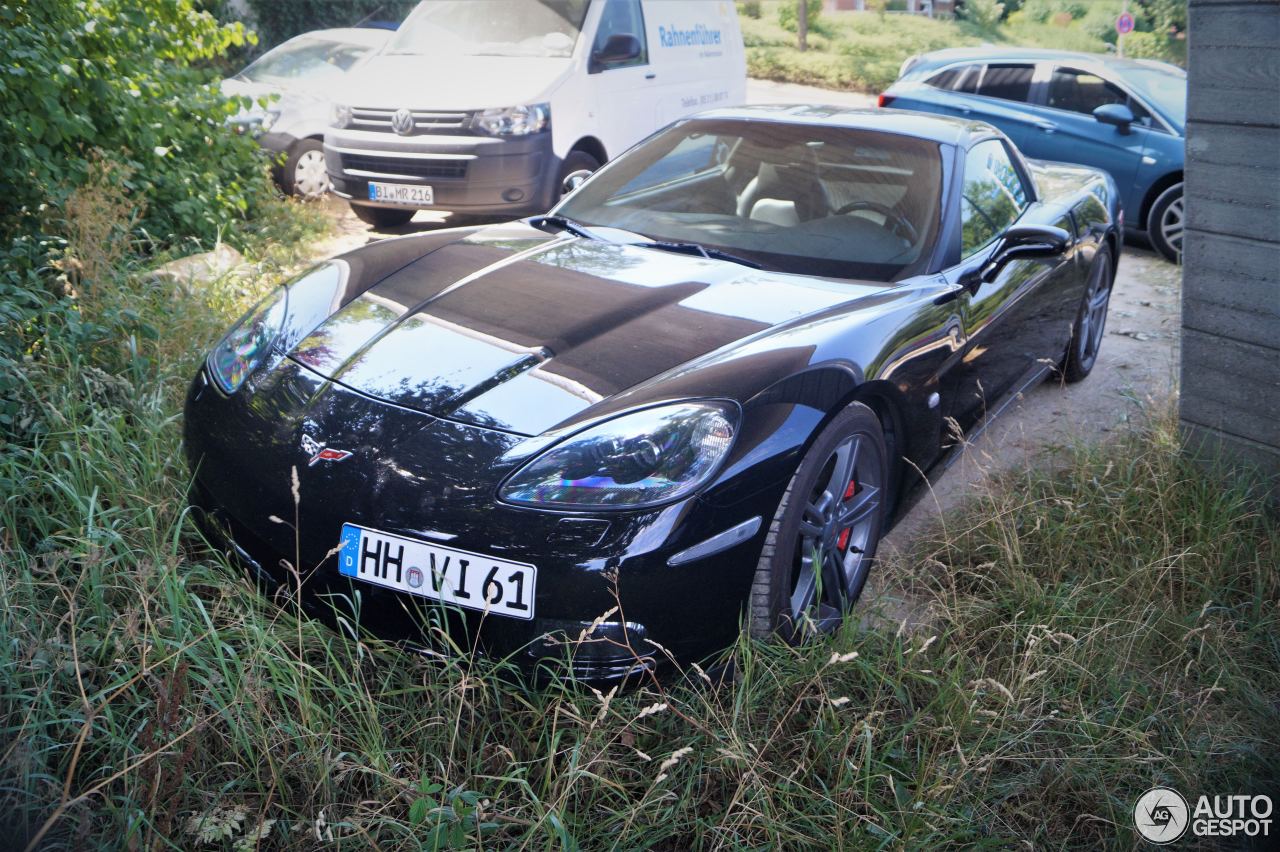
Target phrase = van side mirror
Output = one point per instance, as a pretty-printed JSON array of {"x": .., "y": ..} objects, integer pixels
[
  {"x": 1020, "y": 242},
  {"x": 573, "y": 180},
  {"x": 1117, "y": 115},
  {"x": 620, "y": 48}
]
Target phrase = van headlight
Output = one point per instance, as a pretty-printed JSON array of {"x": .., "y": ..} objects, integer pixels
[
  {"x": 514, "y": 121},
  {"x": 341, "y": 116},
  {"x": 637, "y": 460}
]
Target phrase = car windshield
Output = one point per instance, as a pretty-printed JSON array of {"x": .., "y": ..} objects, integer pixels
[
  {"x": 1167, "y": 89},
  {"x": 792, "y": 197},
  {"x": 304, "y": 59},
  {"x": 541, "y": 28}
]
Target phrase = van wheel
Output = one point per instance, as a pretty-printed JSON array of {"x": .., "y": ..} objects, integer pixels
[
  {"x": 304, "y": 171},
  {"x": 1165, "y": 223},
  {"x": 382, "y": 217},
  {"x": 577, "y": 161}
]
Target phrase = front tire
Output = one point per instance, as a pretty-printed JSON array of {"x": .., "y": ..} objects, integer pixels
[
  {"x": 1166, "y": 221},
  {"x": 304, "y": 173},
  {"x": 577, "y": 161},
  {"x": 1091, "y": 321},
  {"x": 382, "y": 217},
  {"x": 824, "y": 535}
]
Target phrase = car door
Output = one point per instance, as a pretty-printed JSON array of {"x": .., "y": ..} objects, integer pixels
[
  {"x": 624, "y": 95},
  {"x": 1069, "y": 132},
  {"x": 1012, "y": 322}
]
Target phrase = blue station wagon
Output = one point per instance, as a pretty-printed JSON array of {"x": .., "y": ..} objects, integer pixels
[{"x": 1125, "y": 116}]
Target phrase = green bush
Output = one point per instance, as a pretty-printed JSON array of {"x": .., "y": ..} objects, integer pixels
[
  {"x": 984, "y": 14},
  {"x": 1042, "y": 11},
  {"x": 122, "y": 76},
  {"x": 789, "y": 15},
  {"x": 1154, "y": 45},
  {"x": 750, "y": 9}
]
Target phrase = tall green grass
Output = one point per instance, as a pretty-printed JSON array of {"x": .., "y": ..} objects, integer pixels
[{"x": 1092, "y": 632}]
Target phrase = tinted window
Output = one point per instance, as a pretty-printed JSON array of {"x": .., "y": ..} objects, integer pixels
[
  {"x": 622, "y": 17},
  {"x": 1010, "y": 82},
  {"x": 793, "y": 197},
  {"x": 944, "y": 79},
  {"x": 967, "y": 81},
  {"x": 1080, "y": 91},
  {"x": 994, "y": 196}
]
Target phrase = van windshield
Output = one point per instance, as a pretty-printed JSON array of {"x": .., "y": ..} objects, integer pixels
[{"x": 540, "y": 28}]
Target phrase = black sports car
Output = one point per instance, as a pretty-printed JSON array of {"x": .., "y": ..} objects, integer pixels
[{"x": 691, "y": 397}]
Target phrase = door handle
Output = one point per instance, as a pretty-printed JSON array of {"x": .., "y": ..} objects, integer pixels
[
  {"x": 650, "y": 75},
  {"x": 1047, "y": 126}
]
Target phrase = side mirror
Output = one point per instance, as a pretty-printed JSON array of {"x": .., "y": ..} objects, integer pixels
[
  {"x": 573, "y": 180},
  {"x": 1117, "y": 115},
  {"x": 1020, "y": 242},
  {"x": 621, "y": 47}
]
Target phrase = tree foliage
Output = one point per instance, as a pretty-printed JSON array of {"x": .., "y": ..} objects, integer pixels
[
  {"x": 124, "y": 78},
  {"x": 278, "y": 20}
]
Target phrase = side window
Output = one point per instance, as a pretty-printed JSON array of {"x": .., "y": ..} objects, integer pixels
[
  {"x": 1008, "y": 82},
  {"x": 968, "y": 79},
  {"x": 622, "y": 17},
  {"x": 993, "y": 196},
  {"x": 1080, "y": 91},
  {"x": 944, "y": 79}
]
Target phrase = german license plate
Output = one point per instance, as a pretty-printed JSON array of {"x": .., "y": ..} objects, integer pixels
[
  {"x": 445, "y": 574},
  {"x": 402, "y": 193}
]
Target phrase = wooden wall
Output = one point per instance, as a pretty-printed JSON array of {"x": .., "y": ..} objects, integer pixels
[{"x": 1230, "y": 393}]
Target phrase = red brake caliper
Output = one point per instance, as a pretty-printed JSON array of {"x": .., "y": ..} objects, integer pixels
[{"x": 842, "y": 541}]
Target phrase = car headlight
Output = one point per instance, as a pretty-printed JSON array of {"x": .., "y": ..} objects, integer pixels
[
  {"x": 633, "y": 461},
  {"x": 276, "y": 324},
  {"x": 514, "y": 121},
  {"x": 246, "y": 346},
  {"x": 341, "y": 116},
  {"x": 268, "y": 119}
]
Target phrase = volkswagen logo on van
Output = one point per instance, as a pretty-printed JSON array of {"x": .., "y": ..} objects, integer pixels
[{"x": 402, "y": 122}]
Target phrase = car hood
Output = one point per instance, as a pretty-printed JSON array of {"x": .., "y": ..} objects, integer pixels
[
  {"x": 513, "y": 329},
  {"x": 390, "y": 81}
]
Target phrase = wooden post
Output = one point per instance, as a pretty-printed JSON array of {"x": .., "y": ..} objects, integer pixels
[
  {"x": 802, "y": 23},
  {"x": 1229, "y": 400}
]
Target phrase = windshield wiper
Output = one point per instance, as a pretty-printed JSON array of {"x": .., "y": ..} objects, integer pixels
[
  {"x": 565, "y": 224},
  {"x": 701, "y": 250}
]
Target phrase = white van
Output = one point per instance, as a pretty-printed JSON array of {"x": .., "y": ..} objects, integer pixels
[{"x": 488, "y": 106}]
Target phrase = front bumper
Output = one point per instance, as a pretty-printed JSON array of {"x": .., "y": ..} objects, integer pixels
[
  {"x": 422, "y": 477},
  {"x": 512, "y": 176}
]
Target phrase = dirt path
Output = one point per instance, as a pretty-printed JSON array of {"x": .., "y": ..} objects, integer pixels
[{"x": 1136, "y": 373}]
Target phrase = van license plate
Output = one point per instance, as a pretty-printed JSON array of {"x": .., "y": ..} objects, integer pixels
[{"x": 402, "y": 193}]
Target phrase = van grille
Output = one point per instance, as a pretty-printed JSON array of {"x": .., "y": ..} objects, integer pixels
[
  {"x": 403, "y": 167},
  {"x": 379, "y": 120}
]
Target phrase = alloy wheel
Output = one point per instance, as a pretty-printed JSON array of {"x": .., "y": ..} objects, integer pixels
[
  {"x": 836, "y": 526},
  {"x": 1171, "y": 224},
  {"x": 1094, "y": 319}
]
